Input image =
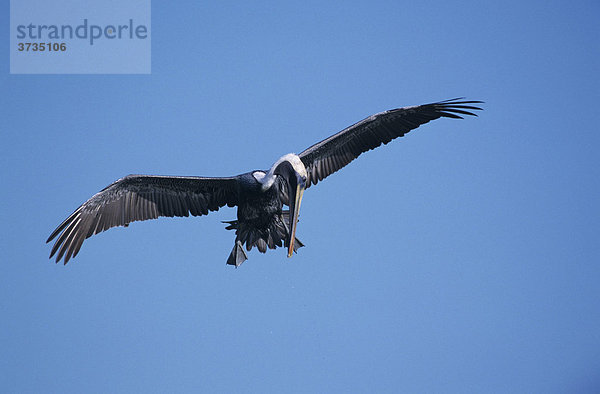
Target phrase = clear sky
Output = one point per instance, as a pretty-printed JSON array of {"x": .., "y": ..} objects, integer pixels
[{"x": 461, "y": 258}]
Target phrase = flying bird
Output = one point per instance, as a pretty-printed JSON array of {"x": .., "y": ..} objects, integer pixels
[{"x": 259, "y": 195}]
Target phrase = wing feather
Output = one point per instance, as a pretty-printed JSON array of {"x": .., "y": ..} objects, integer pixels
[
  {"x": 326, "y": 157},
  {"x": 141, "y": 197}
]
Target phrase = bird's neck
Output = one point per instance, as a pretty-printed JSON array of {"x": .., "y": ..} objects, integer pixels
[{"x": 267, "y": 180}]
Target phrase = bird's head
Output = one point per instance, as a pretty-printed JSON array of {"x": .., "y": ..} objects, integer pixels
[{"x": 292, "y": 170}]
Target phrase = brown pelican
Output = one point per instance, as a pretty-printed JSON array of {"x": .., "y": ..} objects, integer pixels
[{"x": 259, "y": 195}]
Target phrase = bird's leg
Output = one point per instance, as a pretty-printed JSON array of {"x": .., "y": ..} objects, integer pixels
[{"x": 238, "y": 255}]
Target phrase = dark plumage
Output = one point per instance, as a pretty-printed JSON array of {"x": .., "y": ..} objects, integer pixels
[
  {"x": 327, "y": 156},
  {"x": 259, "y": 195}
]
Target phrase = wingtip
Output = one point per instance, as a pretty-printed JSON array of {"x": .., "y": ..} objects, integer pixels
[
  {"x": 453, "y": 108},
  {"x": 461, "y": 101},
  {"x": 52, "y": 236}
]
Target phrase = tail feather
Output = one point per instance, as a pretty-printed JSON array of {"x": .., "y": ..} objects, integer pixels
[
  {"x": 270, "y": 241},
  {"x": 262, "y": 245},
  {"x": 232, "y": 224},
  {"x": 275, "y": 235}
]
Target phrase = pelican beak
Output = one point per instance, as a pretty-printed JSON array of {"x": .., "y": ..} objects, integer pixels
[{"x": 296, "y": 197}]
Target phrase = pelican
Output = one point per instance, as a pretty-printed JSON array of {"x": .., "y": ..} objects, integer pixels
[{"x": 260, "y": 195}]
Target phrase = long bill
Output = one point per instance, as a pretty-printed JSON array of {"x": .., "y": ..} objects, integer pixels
[{"x": 294, "y": 210}]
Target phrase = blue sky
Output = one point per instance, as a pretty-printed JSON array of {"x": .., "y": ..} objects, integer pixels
[{"x": 461, "y": 258}]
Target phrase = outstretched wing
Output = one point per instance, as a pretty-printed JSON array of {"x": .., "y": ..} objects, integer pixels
[
  {"x": 326, "y": 157},
  {"x": 141, "y": 197}
]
